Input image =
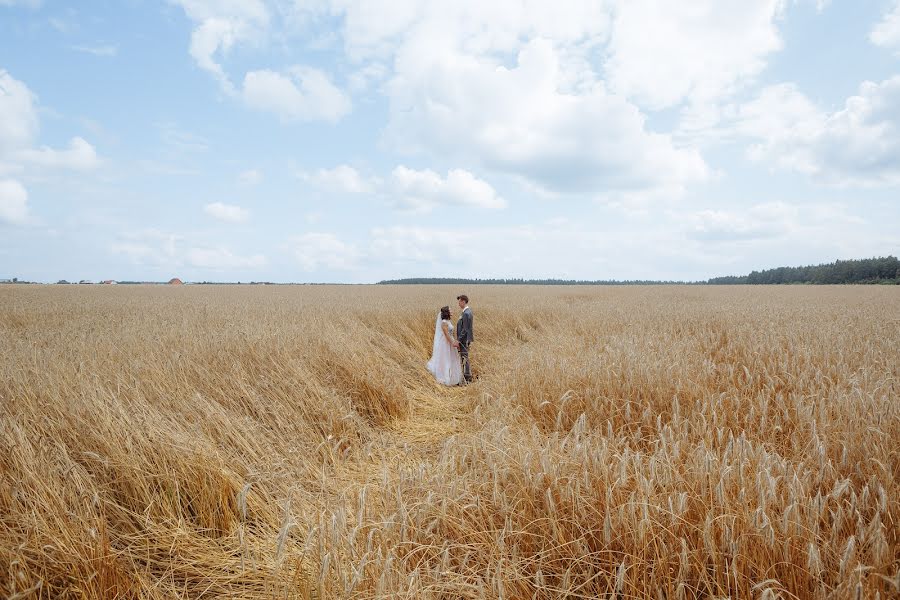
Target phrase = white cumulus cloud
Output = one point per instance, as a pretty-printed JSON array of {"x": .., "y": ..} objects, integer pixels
[
  {"x": 300, "y": 94},
  {"x": 555, "y": 93},
  {"x": 662, "y": 53},
  {"x": 342, "y": 179},
  {"x": 887, "y": 32},
  {"x": 511, "y": 86},
  {"x": 525, "y": 122},
  {"x": 80, "y": 155},
  {"x": 227, "y": 212},
  {"x": 13, "y": 202},
  {"x": 18, "y": 113},
  {"x": 410, "y": 189},
  {"x": 425, "y": 190},
  {"x": 377, "y": 29},
  {"x": 219, "y": 25},
  {"x": 19, "y": 126},
  {"x": 857, "y": 145}
]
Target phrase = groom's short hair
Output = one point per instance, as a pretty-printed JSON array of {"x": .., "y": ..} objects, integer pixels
[{"x": 463, "y": 297}]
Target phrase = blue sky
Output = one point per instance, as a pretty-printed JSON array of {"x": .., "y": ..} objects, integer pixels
[{"x": 340, "y": 141}]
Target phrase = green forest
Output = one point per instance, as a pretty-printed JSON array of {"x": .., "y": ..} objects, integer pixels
[
  {"x": 884, "y": 270},
  {"x": 866, "y": 270},
  {"x": 518, "y": 281}
]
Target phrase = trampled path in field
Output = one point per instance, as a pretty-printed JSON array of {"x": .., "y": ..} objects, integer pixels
[{"x": 436, "y": 415}]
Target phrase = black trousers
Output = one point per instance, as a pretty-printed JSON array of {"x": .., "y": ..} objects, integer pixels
[{"x": 464, "y": 359}]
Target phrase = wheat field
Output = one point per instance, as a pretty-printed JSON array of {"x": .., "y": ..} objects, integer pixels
[{"x": 287, "y": 442}]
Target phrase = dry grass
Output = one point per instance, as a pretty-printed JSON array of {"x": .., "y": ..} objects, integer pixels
[{"x": 661, "y": 442}]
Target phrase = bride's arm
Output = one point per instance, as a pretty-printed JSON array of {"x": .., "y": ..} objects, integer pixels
[{"x": 446, "y": 331}]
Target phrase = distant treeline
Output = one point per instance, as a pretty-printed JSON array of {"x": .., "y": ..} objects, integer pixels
[
  {"x": 519, "y": 281},
  {"x": 866, "y": 270}
]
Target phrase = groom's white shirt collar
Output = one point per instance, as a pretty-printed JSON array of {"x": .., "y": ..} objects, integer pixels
[{"x": 466, "y": 308}]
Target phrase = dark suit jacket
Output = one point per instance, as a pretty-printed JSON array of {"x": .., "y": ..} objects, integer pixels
[{"x": 464, "y": 328}]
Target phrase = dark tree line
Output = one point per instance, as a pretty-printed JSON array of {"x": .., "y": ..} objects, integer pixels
[
  {"x": 518, "y": 281},
  {"x": 866, "y": 270}
]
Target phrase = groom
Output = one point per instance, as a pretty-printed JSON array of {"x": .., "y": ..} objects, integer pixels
[{"x": 464, "y": 335}]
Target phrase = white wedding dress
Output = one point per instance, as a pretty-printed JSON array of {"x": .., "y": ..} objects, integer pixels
[{"x": 444, "y": 363}]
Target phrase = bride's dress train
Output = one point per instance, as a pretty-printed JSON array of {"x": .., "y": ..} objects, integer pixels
[{"x": 444, "y": 363}]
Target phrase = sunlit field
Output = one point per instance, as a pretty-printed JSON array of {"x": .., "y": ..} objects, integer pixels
[{"x": 288, "y": 442}]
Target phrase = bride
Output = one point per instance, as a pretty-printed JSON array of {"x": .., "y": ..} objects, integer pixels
[{"x": 444, "y": 363}]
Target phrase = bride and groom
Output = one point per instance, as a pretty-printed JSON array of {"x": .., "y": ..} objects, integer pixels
[{"x": 450, "y": 354}]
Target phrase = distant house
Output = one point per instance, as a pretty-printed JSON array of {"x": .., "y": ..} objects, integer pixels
[
  {"x": 175, "y": 281},
  {"x": 86, "y": 282},
  {"x": 109, "y": 282}
]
